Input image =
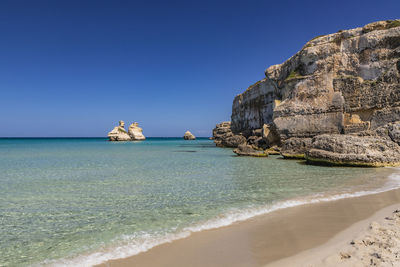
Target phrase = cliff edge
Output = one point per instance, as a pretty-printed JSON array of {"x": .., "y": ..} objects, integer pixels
[{"x": 341, "y": 83}]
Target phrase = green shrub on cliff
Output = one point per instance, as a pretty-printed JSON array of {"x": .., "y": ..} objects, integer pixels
[
  {"x": 294, "y": 75},
  {"x": 393, "y": 24}
]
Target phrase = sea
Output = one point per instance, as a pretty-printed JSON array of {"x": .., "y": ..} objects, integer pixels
[{"x": 83, "y": 201}]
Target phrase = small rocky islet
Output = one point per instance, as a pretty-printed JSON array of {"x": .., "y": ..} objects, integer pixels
[
  {"x": 135, "y": 133},
  {"x": 189, "y": 136},
  {"x": 335, "y": 102}
]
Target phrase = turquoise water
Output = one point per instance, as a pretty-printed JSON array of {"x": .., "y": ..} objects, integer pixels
[{"x": 81, "y": 201}]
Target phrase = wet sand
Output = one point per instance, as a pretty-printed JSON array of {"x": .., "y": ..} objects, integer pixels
[{"x": 287, "y": 237}]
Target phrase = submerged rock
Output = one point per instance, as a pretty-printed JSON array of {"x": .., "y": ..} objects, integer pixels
[
  {"x": 248, "y": 150},
  {"x": 352, "y": 150},
  {"x": 119, "y": 133},
  {"x": 135, "y": 132},
  {"x": 189, "y": 136}
]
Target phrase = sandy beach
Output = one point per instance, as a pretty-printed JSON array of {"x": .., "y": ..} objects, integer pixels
[
  {"x": 199, "y": 133},
  {"x": 298, "y": 236}
]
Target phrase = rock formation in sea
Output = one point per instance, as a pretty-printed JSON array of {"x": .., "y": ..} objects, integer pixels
[
  {"x": 189, "y": 136},
  {"x": 342, "y": 83},
  {"x": 120, "y": 134},
  {"x": 135, "y": 132},
  {"x": 223, "y": 136}
]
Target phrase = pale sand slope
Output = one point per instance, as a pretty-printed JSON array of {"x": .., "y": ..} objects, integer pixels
[
  {"x": 371, "y": 242},
  {"x": 274, "y": 236}
]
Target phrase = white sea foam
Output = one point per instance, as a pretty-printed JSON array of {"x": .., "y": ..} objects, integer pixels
[{"x": 143, "y": 242}]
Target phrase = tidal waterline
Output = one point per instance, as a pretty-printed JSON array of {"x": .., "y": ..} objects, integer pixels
[{"x": 70, "y": 201}]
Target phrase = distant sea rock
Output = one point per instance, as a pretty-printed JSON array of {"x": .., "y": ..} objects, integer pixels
[
  {"x": 343, "y": 83},
  {"x": 135, "y": 132},
  {"x": 120, "y": 134},
  {"x": 189, "y": 136}
]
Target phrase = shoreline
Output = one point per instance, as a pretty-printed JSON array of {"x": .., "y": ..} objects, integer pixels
[
  {"x": 339, "y": 249},
  {"x": 267, "y": 238}
]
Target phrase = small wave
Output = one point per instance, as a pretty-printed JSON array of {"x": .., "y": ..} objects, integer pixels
[{"x": 136, "y": 244}]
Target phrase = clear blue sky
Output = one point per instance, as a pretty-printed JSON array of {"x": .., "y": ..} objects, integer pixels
[{"x": 74, "y": 68}]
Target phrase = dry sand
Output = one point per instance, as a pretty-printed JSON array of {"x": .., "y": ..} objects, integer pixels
[
  {"x": 308, "y": 235},
  {"x": 371, "y": 242}
]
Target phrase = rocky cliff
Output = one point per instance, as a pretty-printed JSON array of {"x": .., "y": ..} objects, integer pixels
[
  {"x": 338, "y": 83},
  {"x": 342, "y": 83}
]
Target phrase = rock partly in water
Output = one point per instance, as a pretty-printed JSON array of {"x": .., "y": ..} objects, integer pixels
[
  {"x": 189, "y": 136},
  {"x": 234, "y": 141},
  {"x": 295, "y": 148},
  {"x": 248, "y": 150},
  {"x": 119, "y": 133},
  {"x": 135, "y": 132},
  {"x": 353, "y": 150},
  {"x": 275, "y": 150},
  {"x": 346, "y": 83},
  {"x": 221, "y": 132},
  {"x": 341, "y": 83},
  {"x": 223, "y": 136}
]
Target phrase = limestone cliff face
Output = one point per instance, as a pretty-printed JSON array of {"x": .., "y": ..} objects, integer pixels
[
  {"x": 254, "y": 107},
  {"x": 344, "y": 82}
]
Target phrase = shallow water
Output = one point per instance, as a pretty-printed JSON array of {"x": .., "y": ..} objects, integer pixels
[{"x": 83, "y": 201}]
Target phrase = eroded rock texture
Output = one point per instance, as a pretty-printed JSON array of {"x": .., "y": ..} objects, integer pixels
[
  {"x": 353, "y": 150},
  {"x": 295, "y": 148},
  {"x": 344, "y": 82},
  {"x": 135, "y": 132},
  {"x": 120, "y": 134},
  {"x": 342, "y": 89},
  {"x": 248, "y": 150},
  {"x": 223, "y": 136}
]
